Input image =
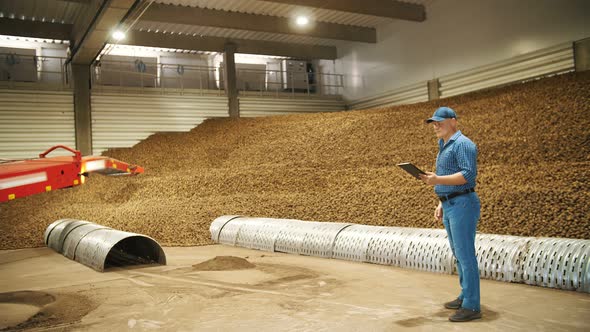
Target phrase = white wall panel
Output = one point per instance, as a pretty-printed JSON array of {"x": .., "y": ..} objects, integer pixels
[
  {"x": 255, "y": 107},
  {"x": 411, "y": 94},
  {"x": 122, "y": 120},
  {"x": 457, "y": 35},
  {"x": 33, "y": 121},
  {"x": 547, "y": 61}
]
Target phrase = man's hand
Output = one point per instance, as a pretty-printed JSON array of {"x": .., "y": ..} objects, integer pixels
[
  {"x": 429, "y": 178},
  {"x": 438, "y": 212}
]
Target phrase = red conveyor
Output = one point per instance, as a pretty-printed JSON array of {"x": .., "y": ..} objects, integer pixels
[{"x": 26, "y": 177}]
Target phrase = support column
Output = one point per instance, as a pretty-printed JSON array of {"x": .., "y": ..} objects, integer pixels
[
  {"x": 582, "y": 54},
  {"x": 433, "y": 89},
  {"x": 82, "y": 114},
  {"x": 230, "y": 80}
]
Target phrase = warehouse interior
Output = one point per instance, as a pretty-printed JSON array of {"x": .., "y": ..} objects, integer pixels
[{"x": 238, "y": 118}]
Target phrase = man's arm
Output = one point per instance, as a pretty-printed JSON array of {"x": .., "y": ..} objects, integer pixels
[{"x": 456, "y": 179}]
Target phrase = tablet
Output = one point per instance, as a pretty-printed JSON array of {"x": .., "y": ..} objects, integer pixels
[{"x": 413, "y": 170}]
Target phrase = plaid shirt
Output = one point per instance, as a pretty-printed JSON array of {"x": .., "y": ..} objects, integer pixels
[{"x": 458, "y": 155}]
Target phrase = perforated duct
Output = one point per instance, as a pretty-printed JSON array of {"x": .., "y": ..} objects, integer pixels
[
  {"x": 100, "y": 247},
  {"x": 549, "y": 262}
]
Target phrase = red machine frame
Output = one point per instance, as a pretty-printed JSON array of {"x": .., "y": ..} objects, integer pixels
[{"x": 26, "y": 177}]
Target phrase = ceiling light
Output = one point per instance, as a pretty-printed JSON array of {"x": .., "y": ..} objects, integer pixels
[
  {"x": 118, "y": 35},
  {"x": 302, "y": 20}
]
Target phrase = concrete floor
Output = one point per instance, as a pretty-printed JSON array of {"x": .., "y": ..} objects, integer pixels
[{"x": 282, "y": 293}]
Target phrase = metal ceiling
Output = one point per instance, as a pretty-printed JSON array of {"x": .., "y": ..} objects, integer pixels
[
  {"x": 264, "y": 8},
  {"x": 68, "y": 11},
  {"x": 283, "y": 10},
  {"x": 44, "y": 11},
  {"x": 195, "y": 30}
]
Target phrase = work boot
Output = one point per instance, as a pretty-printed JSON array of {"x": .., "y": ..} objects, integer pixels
[
  {"x": 465, "y": 315},
  {"x": 455, "y": 304}
]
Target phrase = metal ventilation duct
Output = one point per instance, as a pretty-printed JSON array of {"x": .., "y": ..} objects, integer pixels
[
  {"x": 548, "y": 262},
  {"x": 100, "y": 247}
]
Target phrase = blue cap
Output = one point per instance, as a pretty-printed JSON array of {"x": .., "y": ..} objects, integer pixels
[{"x": 441, "y": 114}]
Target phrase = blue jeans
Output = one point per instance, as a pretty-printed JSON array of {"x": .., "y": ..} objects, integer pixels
[{"x": 460, "y": 217}]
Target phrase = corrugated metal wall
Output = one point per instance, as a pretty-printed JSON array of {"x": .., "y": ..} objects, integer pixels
[
  {"x": 552, "y": 60},
  {"x": 33, "y": 121},
  {"x": 124, "y": 120},
  {"x": 254, "y": 107},
  {"x": 557, "y": 59},
  {"x": 414, "y": 93}
]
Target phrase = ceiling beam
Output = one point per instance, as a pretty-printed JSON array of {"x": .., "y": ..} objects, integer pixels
[
  {"x": 77, "y": 1},
  {"x": 382, "y": 8},
  {"x": 35, "y": 29},
  {"x": 217, "y": 44},
  {"x": 90, "y": 35},
  {"x": 224, "y": 19}
]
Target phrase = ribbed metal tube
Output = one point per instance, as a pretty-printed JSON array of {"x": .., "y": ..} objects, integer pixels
[
  {"x": 100, "y": 247},
  {"x": 548, "y": 262}
]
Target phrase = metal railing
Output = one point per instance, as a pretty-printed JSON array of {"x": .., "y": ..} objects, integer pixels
[
  {"x": 22, "y": 71},
  {"x": 262, "y": 82},
  {"x": 163, "y": 77},
  {"x": 189, "y": 79}
]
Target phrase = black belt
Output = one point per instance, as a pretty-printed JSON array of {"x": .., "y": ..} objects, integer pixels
[{"x": 445, "y": 198}]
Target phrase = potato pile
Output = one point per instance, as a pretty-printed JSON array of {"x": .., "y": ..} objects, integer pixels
[{"x": 534, "y": 162}]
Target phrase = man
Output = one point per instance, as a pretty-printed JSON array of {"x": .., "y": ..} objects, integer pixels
[{"x": 459, "y": 207}]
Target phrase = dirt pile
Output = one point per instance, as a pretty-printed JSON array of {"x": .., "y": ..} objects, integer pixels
[
  {"x": 224, "y": 263},
  {"x": 534, "y": 157},
  {"x": 24, "y": 310}
]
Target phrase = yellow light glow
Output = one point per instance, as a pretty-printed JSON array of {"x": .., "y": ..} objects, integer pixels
[
  {"x": 302, "y": 20},
  {"x": 47, "y": 188},
  {"x": 118, "y": 35},
  {"x": 82, "y": 171},
  {"x": 11, "y": 197}
]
